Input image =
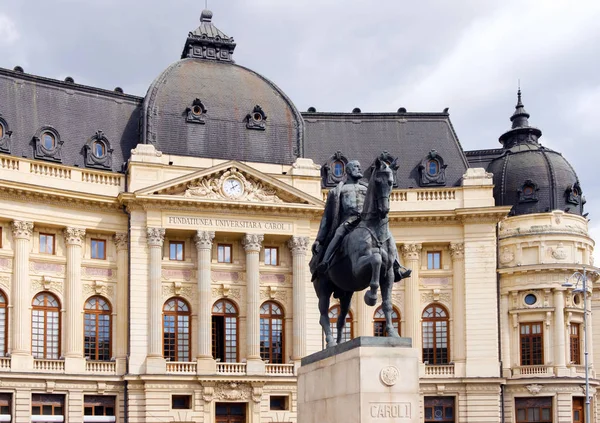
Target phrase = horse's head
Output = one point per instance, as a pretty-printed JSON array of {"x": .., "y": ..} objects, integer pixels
[{"x": 382, "y": 181}]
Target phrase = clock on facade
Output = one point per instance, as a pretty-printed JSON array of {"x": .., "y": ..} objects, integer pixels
[{"x": 232, "y": 187}]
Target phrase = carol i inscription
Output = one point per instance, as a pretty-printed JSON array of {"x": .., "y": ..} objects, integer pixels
[
  {"x": 386, "y": 410},
  {"x": 229, "y": 223}
]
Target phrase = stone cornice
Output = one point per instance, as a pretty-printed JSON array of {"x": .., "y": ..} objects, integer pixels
[{"x": 549, "y": 267}]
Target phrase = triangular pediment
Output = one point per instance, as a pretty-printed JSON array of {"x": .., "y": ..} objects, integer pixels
[{"x": 230, "y": 181}]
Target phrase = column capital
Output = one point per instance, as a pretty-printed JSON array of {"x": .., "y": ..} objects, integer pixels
[
  {"x": 74, "y": 236},
  {"x": 298, "y": 244},
  {"x": 204, "y": 239},
  {"x": 411, "y": 251},
  {"x": 252, "y": 242},
  {"x": 155, "y": 236},
  {"x": 22, "y": 229},
  {"x": 120, "y": 241},
  {"x": 457, "y": 251}
]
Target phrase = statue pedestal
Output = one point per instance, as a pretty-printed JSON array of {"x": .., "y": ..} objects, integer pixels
[{"x": 368, "y": 379}]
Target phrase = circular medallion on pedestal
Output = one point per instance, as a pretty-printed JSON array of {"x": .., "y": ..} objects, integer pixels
[{"x": 389, "y": 375}]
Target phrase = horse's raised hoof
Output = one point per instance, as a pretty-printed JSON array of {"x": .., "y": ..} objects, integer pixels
[
  {"x": 393, "y": 333},
  {"x": 370, "y": 299}
]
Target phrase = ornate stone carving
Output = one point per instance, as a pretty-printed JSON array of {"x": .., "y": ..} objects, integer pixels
[
  {"x": 99, "y": 288},
  {"x": 252, "y": 242},
  {"x": 147, "y": 150},
  {"x": 257, "y": 119},
  {"x": 204, "y": 239},
  {"x": 432, "y": 170},
  {"x": 98, "y": 153},
  {"x": 389, "y": 375},
  {"x": 156, "y": 236},
  {"x": 41, "y": 268},
  {"x": 273, "y": 293},
  {"x": 46, "y": 284},
  {"x": 299, "y": 245},
  {"x": 411, "y": 251},
  {"x": 457, "y": 251},
  {"x": 121, "y": 240},
  {"x": 48, "y": 144},
  {"x": 534, "y": 388},
  {"x": 74, "y": 236},
  {"x": 178, "y": 289},
  {"x": 232, "y": 391},
  {"x": 181, "y": 274},
  {"x": 560, "y": 252},
  {"x": 251, "y": 189},
  {"x": 506, "y": 256},
  {"x": 196, "y": 112},
  {"x": 22, "y": 229},
  {"x": 436, "y": 295}
]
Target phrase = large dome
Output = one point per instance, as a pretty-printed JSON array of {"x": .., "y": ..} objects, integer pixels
[
  {"x": 530, "y": 177},
  {"x": 205, "y": 105}
]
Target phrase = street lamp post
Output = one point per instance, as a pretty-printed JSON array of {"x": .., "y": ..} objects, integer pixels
[{"x": 582, "y": 277}]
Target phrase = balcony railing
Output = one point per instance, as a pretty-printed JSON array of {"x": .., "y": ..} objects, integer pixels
[
  {"x": 279, "y": 369},
  {"x": 526, "y": 371},
  {"x": 231, "y": 368},
  {"x": 442, "y": 370},
  {"x": 4, "y": 364},
  {"x": 51, "y": 366},
  {"x": 105, "y": 367},
  {"x": 181, "y": 367}
]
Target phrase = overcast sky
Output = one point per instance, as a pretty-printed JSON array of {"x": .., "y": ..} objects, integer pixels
[{"x": 339, "y": 54}]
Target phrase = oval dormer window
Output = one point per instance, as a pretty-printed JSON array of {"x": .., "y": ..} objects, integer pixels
[
  {"x": 99, "y": 149},
  {"x": 433, "y": 167},
  {"x": 1, "y": 130},
  {"x": 197, "y": 110},
  {"x": 527, "y": 190},
  {"x": 48, "y": 141},
  {"x": 338, "y": 169}
]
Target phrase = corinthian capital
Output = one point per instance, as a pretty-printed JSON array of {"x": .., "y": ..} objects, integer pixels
[
  {"x": 74, "y": 236},
  {"x": 155, "y": 236},
  {"x": 22, "y": 229},
  {"x": 121, "y": 241},
  {"x": 204, "y": 239},
  {"x": 298, "y": 244},
  {"x": 411, "y": 251},
  {"x": 252, "y": 242},
  {"x": 457, "y": 251}
]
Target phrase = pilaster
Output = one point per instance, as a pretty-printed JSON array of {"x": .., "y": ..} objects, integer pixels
[
  {"x": 412, "y": 259},
  {"x": 252, "y": 244},
  {"x": 120, "y": 349},
  {"x": 299, "y": 246},
  {"x": 505, "y": 330},
  {"x": 73, "y": 328},
  {"x": 206, "y": 362},
  {"x": 155, "y": 362},
  {"x": 457, "y": 251},
  {"x": 560, "y": 346}
]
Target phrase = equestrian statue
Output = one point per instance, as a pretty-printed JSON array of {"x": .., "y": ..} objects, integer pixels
[{"x": 354, "y": 248}]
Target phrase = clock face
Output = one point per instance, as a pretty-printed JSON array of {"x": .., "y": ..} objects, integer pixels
[{"x": 232, "y": 187}]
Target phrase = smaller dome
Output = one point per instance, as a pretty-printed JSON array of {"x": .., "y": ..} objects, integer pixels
[{"x": 531, "y": 177}]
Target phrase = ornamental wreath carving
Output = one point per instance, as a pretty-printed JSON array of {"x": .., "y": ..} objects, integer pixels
[
  {"x": 232, "y": 391},
  {"x": 389, "y": 375}
]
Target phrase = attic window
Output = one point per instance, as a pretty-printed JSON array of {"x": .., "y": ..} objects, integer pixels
[
  {"x": 528, "y": 192},
  {"x": 48, "y": 141},
  {"x": 98, "y": 153},
  {"x": 48, "y": 144},
  {"x": 333, "y": 170},
  {"x": 433, "y": 167},
  {"x": 574, "y": 194},
  {"x": 1, "y": 130},
  {"x": 195, "y": 112},
  {"x": 4, "y": 137},
  {"x": 338, "y": 168},
  {"x": 256, "y": 119},
  {"x": 99, "y": 149},
  {"x": 432, "y": 170}
]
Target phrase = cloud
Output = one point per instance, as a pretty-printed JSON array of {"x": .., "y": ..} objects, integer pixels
[{"x": 8, "y": 30}]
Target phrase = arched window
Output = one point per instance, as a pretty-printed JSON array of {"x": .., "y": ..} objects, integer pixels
[
  {"x": 48, "y": 140},
  {"x": 97, "y": 329},
  {"x": 271, "y": 333},
  {"x": 1, "y": 130},
  {"x": 379, "y": 326},
  {"x": 436, "y": 339},
  {"x": 45, "y": 326},
  {"x": 99, "y": 149},
  {"x": 334, "y": 313},
  {"x": 176, "y": 330},
  {"x": 433, "y": 167},
  {"x": 338, "y": 168},
  {"x": 3, "y": 324},
  {"x": 225, "y": 331}
]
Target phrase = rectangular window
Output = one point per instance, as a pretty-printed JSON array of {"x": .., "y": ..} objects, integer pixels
[
  {"x": 575, "y": 343},
  {"x": 439, "y": 409},
  {"x": 578, "y": 409},
  {"x": 46, "y": 243},
  {"x": 224, "y": 253},
  {"x": 99, "y": 405},
  {"x": 279, "y": 402},
  {"x": 271, "y": 256},
  {"x": 532, "y": 344},
  {"x": 98, "y": 249},
  {"x": 537, "y": 410},
  {"x": 434, "y": 260},
  {"x": 47, "y": 405},
  {"x": 176, "y": 250},
  {"x": 181, "y": 402},
  {"x": 5, "y": 407}
]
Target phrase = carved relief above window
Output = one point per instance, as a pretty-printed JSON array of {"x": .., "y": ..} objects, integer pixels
[
  {"x": 432, "y": 170},
  {"x": 5, "y": 134},
  {"x": 196, "y": 112},
  {"x": 334, "y": 170},
  {"x": 528, "y": 192},
  {"x": 257, "y": 119},
  {"x": 48, "y": 145},
  {"x": 573, "y": 194},
  {"x": 98, "y": 153}
]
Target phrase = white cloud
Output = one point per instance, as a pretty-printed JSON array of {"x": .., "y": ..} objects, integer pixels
[{"x": 8, "y": 30}]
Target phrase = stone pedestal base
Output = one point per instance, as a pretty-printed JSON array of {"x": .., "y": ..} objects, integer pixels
[
  {"x": 21, "y": 362},
  {"x": 74, "y": 365},
  {"x": 255, "y": 367},
  {"x": 368, "y": 379},
  {"x": 206, "y": 366},
  {"x": 156, "y": 365}
]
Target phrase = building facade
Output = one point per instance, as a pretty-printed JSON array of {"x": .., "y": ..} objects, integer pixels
[{"x": 154, "y": 252}]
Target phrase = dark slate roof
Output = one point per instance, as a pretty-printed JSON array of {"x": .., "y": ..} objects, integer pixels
[
  {"x": 229, "y": 93},
  {"x": 408, "y": 136},
  {"x": 482, "y": 158},
  {"x": 76, "y": 112}
]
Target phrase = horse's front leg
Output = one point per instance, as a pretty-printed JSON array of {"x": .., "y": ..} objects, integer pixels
[
  {"x": 386, "y": 304},
  {"x": 344, "y": 307},
  {"x": 374, "y": 260}
]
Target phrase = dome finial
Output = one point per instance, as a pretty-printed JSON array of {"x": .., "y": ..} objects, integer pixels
[
  {"x": 520, "y": 116},
  {"x": 206, "y": 16}
]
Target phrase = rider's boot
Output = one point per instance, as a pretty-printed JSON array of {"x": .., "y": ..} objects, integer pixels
[{"x": 400, "y": 272}]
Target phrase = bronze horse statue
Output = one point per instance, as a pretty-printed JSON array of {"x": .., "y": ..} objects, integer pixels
[{"x": 364, "y": 259}]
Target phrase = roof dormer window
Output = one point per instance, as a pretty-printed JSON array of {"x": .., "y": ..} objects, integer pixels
[
  {"x": 48, "y": 141},
  {"x": 98, "y": 153},
  {"x": 4, "y": 136},
  {"x": 48, "y": 144},
  {"x": 196, "y": 112}
]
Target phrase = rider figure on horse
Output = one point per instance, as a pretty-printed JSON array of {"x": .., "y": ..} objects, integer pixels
[{"x": 342, "y": 214}]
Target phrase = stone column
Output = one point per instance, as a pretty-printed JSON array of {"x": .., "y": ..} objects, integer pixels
[
  {"x": 155, "y": 362},
  {"x": 206, "y": 362},
  {"x": 74, "y": 239},
  {"x": 412, "y": 297},
  {"x": 299, "y": 246},
  {"x": 120, "y": 341},
  {"x": 21, "y": 297},
  {"x": 457, "y": 251},
  {"x": 505, "y": 330},
  {"x": 252, "y": 244},
  {"x": 560, "y": 346}
]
